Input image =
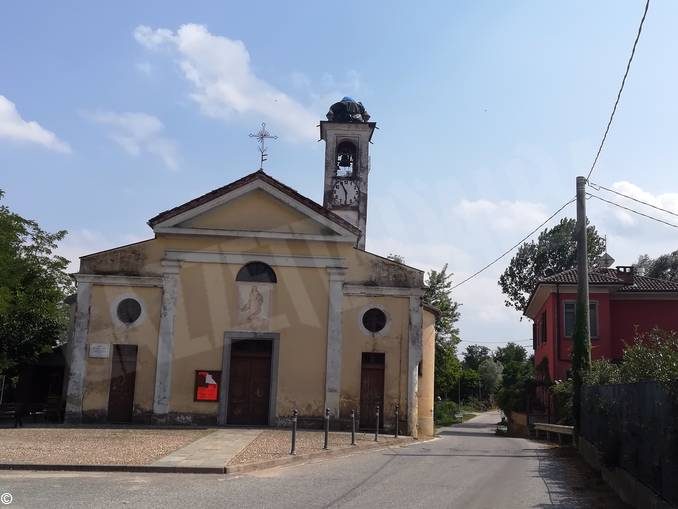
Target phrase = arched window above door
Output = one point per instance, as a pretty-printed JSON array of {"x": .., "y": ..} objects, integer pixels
[{"x": 256, "y": 272}]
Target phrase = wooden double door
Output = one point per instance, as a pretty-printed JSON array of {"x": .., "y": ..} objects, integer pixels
[
  {"x": 249, "y": 386},
  {"x": 371, "y": 390},
  {"x": 123, "y": 378}
]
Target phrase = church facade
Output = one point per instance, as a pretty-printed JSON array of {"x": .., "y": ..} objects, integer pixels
[{"x": 252, "y": 301}]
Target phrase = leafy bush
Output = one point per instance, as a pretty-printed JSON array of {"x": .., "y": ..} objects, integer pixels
[
  {"x": 563, "y": 391},
  {"x": 476, "y": 405},
  {"x": 603, "y": 372},
  {"x": 445, "y": 412},
  {"x": 653, "y": 356}
]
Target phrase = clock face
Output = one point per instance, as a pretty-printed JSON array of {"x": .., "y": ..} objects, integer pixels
[{"x": 345, "y": 192}]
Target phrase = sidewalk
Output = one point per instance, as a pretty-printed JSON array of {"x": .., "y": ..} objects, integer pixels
[{"x": 213, "y": 451}]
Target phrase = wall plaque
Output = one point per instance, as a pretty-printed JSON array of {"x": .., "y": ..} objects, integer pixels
[{"x": 100, "y": 350}]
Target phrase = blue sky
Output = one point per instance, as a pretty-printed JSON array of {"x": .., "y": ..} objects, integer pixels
[{"x": 487, "y": 112}]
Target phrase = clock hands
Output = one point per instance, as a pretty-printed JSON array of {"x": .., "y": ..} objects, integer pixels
[{"x": 345, "y": 192}]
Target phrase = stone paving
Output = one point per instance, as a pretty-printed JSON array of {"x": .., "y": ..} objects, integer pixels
[
  {"x": 92, "y": 446},
  {"x": 275, "y": 443}
]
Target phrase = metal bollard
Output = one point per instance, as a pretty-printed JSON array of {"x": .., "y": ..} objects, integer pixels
[
  {"x": 352, "y": 427},
  {"x": 327, "y": 427},
  {"x": 397, "y": 418},
  {"x": 376, "y": 428},
  {"x": 293, "y": 450}
]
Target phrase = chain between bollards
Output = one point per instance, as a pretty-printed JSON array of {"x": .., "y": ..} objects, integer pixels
[
  {"x": 327, "y": 427},
  {"x": 352, "y": 427},
  {"x": 293, "y": 450},
  {"x": 376, "y": 427},
  {"x": 397, "y": 419}
]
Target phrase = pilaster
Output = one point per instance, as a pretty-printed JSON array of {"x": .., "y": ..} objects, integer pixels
[
  {"x": 78, "y": 354},
  {"x": 414, "y": 356},
  {"x": 334, "y": 339},
  {"x": 163, "y": 369}
]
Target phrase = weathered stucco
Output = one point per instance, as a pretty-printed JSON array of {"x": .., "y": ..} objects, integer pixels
[
  {"x": 104, "y": 328},
  {"x": 193, "y": 306}
]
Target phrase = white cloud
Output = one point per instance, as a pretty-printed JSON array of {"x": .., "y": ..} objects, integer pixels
[
  {"x": 138, "y": 133},
  {"x": 15, "y": 128},
  {"x": 223, "y": 81},
  {"x": 503, "y": 215}
]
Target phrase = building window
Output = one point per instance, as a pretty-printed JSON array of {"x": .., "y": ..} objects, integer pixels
[
  {"x": 543, "y": 327},
  {"x": 374, "y": 320},
  {"x": 207, "y": 385},
  {"x": 128, "y": 311},
  {"x": 256, "y": 272},
  {"x": 569, "y": 308}
]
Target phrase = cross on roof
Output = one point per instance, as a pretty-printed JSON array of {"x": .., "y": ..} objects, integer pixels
[{"x": 262, "y": 135}]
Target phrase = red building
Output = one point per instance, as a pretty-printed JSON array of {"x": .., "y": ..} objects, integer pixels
[{"x": 621, "y": 302}]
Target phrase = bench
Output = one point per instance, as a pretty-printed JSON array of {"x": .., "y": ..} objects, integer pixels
[{"x": 558, "y": 429}]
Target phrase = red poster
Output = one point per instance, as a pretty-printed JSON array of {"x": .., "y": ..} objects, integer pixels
[{"x": 207, "y": 385}]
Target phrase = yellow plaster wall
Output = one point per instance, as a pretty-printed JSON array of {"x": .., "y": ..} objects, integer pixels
[
  {"x": 298, "y": 313},
  {"x": 103, "y": 328},
  {"x": 361, "y": 266},
  {"x": 258, "y": 211},
  {"x": 392, "y": 341},
  {"x": 426, "y": 392}
]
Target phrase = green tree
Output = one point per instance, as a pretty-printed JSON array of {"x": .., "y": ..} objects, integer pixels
[
  {"x": 517, "y": 376},
  {"x": 490, "y": 372},
  {"x": 33, "y": 285},
  {"x": 510, "y": 353},
  {"x": 439, "y": 295},
  {"x": 662, "y": 267},
  {"x": 475, "y": 355},
  {"x": 447, "y": 371},
  {"x": 554, "y": 251}
]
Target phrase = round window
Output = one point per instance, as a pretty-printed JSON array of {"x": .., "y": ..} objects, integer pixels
[
  {"x": 129, "y": 310},
  {"x": 374, "y": 320}
]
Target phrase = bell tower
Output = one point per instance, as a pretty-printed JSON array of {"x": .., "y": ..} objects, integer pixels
[{"x": 347, "y": 133}]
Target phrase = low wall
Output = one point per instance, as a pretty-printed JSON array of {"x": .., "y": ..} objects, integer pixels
[
  {"x": 627, "y": 487},
  {"x": 517, "y": 424},
  {"x": 633, "y": 429}
]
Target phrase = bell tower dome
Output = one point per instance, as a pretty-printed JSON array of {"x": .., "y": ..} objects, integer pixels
[{"x": 347, "y": 133}]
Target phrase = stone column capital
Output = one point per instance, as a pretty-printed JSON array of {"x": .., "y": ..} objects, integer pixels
[
  {"x": 170, "y": 266},
  {"x": 336, "y": 273}
]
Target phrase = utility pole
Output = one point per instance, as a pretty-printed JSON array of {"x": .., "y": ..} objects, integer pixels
[{"x": 581, "y": 352}]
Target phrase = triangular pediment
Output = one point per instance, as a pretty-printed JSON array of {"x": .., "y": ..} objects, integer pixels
[{"x": 259, "y": 206}]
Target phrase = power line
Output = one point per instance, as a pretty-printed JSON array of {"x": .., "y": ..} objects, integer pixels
[
  {"x": 633, "y": 210},
  {"x": 514, "y": 246},
  {"x": 598, "y": 187},
  {"x": 621, "y": 88}
]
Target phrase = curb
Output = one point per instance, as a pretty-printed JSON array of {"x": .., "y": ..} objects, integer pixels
[
  {"x": 113, "y": 468},
  {"x": 333, "y": 453},
  {"x": 235, "y": 469}
]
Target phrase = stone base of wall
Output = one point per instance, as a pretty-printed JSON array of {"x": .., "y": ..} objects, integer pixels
[
  {"x": 627, "y": 487},
  {"x": 146, "y": 417}
]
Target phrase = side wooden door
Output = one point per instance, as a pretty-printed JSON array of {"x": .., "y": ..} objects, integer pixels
[
  {"x": 371, "y": 390},
  {"x": 123, "y": 376}
]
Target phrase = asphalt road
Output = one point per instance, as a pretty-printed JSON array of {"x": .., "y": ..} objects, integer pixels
[{"x": 468, "y": 467}]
